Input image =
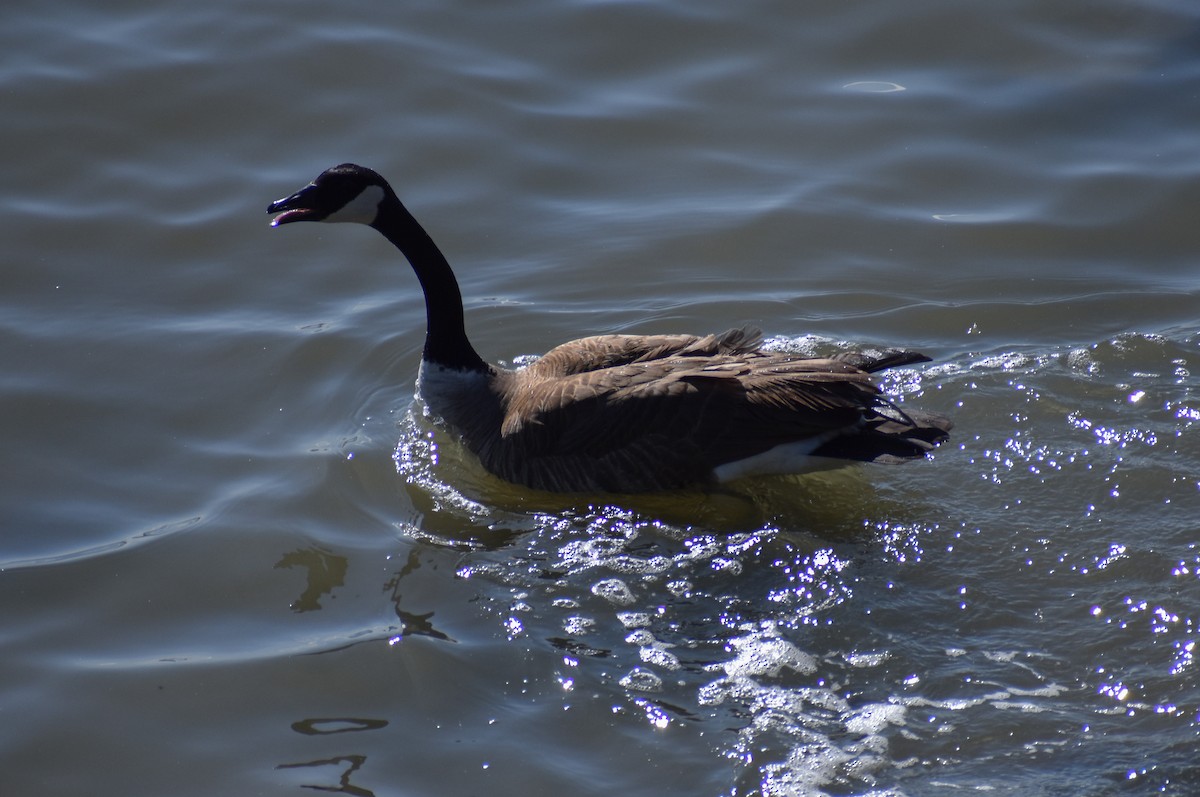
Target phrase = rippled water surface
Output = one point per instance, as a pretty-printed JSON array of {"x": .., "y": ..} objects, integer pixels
[{"x": 237, "y": 559}]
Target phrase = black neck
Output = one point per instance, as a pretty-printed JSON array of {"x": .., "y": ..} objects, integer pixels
[{"x": 445, "y": 331}]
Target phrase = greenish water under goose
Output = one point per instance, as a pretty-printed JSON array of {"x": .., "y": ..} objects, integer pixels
[{"x": 236, "y": 559}]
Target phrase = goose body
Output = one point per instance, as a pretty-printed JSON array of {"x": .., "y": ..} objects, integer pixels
[{"x": 629, "y": 413}]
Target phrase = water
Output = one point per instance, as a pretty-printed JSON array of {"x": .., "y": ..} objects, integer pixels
[{"x": 236, "y": 559}]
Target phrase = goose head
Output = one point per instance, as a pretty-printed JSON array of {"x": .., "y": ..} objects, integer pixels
[
  {"x": 345, "y": 193},
  {"x": 352, "y": 193}
]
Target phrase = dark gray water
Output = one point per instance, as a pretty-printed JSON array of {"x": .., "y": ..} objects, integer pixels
[{"x": 235, "y": 558}]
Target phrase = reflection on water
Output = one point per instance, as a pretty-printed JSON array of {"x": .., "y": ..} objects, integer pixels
[
  {"x": 325, "y": 572},
  {"x": 347, "y": 765},
  {"x": 411, "y": 622}
]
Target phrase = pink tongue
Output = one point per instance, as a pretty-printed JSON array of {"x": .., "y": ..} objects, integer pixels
[{"x": 289, "y": 215}]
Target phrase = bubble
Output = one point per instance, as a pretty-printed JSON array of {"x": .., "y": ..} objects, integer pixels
[
  {"x": 639, "y": 680},
  {"x": 757, "y": 657},
  {"x": 613, "y": 590},
  {"x": 634, "y": 619},
  {"x": 578, "y": 626},
  {"x": 873, "y": 718}
]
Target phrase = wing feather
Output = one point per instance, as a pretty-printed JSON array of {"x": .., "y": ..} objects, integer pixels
[
  {"x": 601, "y": 352},
  {"x": 670, "y": 422}
]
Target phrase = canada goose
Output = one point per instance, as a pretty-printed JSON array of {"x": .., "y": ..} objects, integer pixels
[{"x": 628, "y": 413}]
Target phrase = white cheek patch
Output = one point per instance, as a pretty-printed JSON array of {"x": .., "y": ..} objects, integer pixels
[{"x": 362, "y": 209}]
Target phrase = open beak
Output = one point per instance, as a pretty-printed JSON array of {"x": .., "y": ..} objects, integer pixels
[{"x": 293, "y": 208}]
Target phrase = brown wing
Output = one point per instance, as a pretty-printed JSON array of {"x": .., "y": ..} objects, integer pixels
[
  {"x": 668, "y": 423},
  {"x": 610, "y": 351}
]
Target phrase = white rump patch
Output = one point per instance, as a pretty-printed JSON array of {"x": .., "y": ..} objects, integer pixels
[
  {"x": 362, "y": 209},
  {"x": 786, "y": 458}
]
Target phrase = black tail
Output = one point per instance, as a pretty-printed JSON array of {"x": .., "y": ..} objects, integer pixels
[{"x": 890, "y": 435}]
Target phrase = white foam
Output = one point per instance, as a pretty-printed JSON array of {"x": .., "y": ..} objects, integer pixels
[
  {"x": 614, "y": 590},
  {"x": 757, "y": 657}
]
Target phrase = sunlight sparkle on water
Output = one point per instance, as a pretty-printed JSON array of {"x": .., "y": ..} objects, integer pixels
[{"x": 654, "y": 713}]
